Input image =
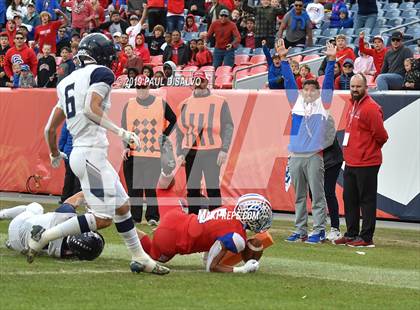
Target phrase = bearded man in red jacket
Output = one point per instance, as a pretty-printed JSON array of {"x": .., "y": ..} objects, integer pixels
[{"x": 363, "y": 139}]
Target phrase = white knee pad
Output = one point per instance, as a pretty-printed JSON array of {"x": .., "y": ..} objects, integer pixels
[{"x": 35, "y": 208}]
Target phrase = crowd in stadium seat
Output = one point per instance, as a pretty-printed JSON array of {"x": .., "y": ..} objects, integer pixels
[{"x": 220, "y": 37}]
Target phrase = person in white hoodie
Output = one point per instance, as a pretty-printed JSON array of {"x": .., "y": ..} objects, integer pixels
[
  {"x": 316, "y": 13},
  {"x": 364, "y": 63}
]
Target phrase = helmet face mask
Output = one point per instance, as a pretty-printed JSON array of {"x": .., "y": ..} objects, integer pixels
[
  {"x": 95, "y": 48},
  {"x": 86, "y": 246},
  {"x": 255, "y": 212}
]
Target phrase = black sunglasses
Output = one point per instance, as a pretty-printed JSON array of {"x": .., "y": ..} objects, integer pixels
[
  {"x": 298, "y": 5},
  {"x": 395, "y": 39},
  {"x": 347, "y": 66},
  {"x": 19, "y": 38}
]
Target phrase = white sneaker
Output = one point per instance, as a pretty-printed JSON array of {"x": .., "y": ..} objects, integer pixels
[
  {"x": 334, "y": 234},
  {"x": 152, "y": 223},
  {"x": 149, "y": 266}
]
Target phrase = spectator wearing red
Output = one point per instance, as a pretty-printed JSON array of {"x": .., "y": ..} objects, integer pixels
[
  {"x": 140, "y": 49},
  {"x": 228, "y": 4},
  {"x": 203, "y": 56},
  {"x": 193, "y": 51},
  {"x": 4, "y": 47},
  {"x": 343, "y": 51},
  {"x": 133, "y": 61},
  {"x": 81, "y": 14},
  {"x": 248, "y": 34},
  {"x": 20, "y": 54},
  {"x": 214, "y": 12},
  {"x": 227, "y": 39},
  {"x": 304, "y": 75},
  {"x": 11, "y": 32},
  {"x": 177, "y": 51},
  {"x": 119, "y": 65},
  {"x": 175, "y": 16},
  {"x": 190, "y": 25},
  {"x": 377, "y": 52},
  {"x": 46, "y": 33},
  {"x": 99, "y": 12}
]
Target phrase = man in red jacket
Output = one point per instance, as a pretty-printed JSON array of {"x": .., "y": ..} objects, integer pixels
[
  {"x": 363, "y": 139},
  {"x": 377, "y": 52},
  {"x": 227, "y": 39},
  {"x": 21, "y": 54}
]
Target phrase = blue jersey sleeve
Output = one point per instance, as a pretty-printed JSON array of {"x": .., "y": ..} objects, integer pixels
[
  {"x": 102, "y": 75},
  {"x": 233, "y": 242}
]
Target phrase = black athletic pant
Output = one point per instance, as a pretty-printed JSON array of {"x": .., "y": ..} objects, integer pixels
[
  {"x": 360, "y": 187},
  {"x": 199, "y": 163},
  {"x": 330, "y": 180},
  {"x": 71, "y": 183},
  {"x": 142, "y": 175},
  {"x": 156, "y": 16},
  {"x": 288, "y": 44}
]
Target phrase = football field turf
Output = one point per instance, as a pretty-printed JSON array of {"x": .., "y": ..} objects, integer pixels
[{"x": 291, "y": 276}]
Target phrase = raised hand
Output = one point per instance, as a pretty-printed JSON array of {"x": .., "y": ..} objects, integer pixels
[
  {"x": 281, "y": 49},
  {"x": 331, "y": 51}
]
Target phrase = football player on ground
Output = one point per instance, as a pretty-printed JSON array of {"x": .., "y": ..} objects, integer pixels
[
  {"x": 83, "y": 100},
  {"x": 218, "y": 232},
  {"x": 86, "y": 246}
]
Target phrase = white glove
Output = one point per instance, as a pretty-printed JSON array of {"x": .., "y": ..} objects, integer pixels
[
  {"x": 55, "y": 161},
  {"x": 129, "y": 137},
  {"x": 250, "y": 266}
]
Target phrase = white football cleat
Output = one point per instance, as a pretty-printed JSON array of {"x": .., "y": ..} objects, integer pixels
[
  {"x": 35, "y": 244},
  {"x": 148, "y": 266},
  {"x": 334, "y": 234}
]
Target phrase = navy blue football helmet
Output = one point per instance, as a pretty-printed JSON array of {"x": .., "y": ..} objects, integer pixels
[
  {"x": 86, "y": 246},
  {"x": 95, "y": 48}
]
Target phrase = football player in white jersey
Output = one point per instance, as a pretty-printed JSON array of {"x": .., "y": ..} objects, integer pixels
[
  {"x": 83, "y": 100},
  {"x": 86, "y": 246}
]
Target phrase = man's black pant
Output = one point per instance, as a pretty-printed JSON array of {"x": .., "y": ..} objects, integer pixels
[
  {"x": 156, "y": 16},
  {"x": 141, "y": 176},
  {"x": 360, "y": 187},
  {"x": 330, "y": 180},
  {"x": 197, "y": 164},
  {"x": 71, "y": 183}
]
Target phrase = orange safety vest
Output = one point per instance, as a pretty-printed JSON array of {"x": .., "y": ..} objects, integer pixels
[
  {"x": 200, "y": 122},
  {"x": 148, "y": 123}
]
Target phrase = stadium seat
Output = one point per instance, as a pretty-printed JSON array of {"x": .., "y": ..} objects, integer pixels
[
  {"x": 347, "y": 31},
  {"x": 416, "y": 56},
  {"x": 258, "y": 59},
  {"x": 310, "y": 57},
  {"x": 316, "y": 32},
  {"x": 381, "y": 13},
  {"x": 223, "y": 70},
  {"x": 197, "y": 19},
  {"x": 325, "y": 25},
  {"x": 370, "y": 79},
  {"x": 241, "y": 60},
  {"x": 207, "y": 69},
  {"x": 417, "y": 5},
  {"x": 242, "y": 74},
  {"x": 320, "y": 79},
  {"x": 243, "y": 51},
  {"x": 330, "y": 32},
  {"x": 202, "y": 27},
  {"x": 237, "y": 68},
  {"x": 258, "y": 51},
  {"x": 294, "y": 50},
  {"x": 223, "y": 81},
  {"x": 414, "y": 31},
  {"x": 257, "y": 70},
  {"x": 191, "y": 69},
  {"x": 395, "y": 21},
  {"x": 413, "y": 48},
  {"x": 392, "y": 13},
  {"x": 406, "y": 5},
  {"x": 410, "y": 13},
  {"x": 157, "y": 68},
  {"x": 377, "y": 31},
  {"x": 297, "y": 58},
  {"x": 380, "y": 22},
  {"x": 390, "y": 6},
  {"x": 409, "y": 20},
  {"x": 188, "y": 36},
  {"x": 156, "y": 60},
  {"x": 367, "y": 31}
]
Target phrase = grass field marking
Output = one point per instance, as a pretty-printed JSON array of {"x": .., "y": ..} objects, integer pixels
[{"x": 341, "y": 272}]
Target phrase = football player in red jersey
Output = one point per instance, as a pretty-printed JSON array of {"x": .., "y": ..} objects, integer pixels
[{"x": 217, "y": 232}]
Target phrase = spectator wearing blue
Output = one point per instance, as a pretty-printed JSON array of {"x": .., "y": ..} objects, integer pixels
[
  {"x": 71, "y": 182},
  {"x": 31, "y": 19},
  {"x": 337, "y": 6},
  {"x": 367, "y": 13},
  {"x": 344, "y": 20},
  {"x": 342, "y": 82},
  {"x": 3, "y": 9},
  {"x": 48, "y": 5},
  {"x": 275, "y": 78},
  {"x": 310, "y": 134}
]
